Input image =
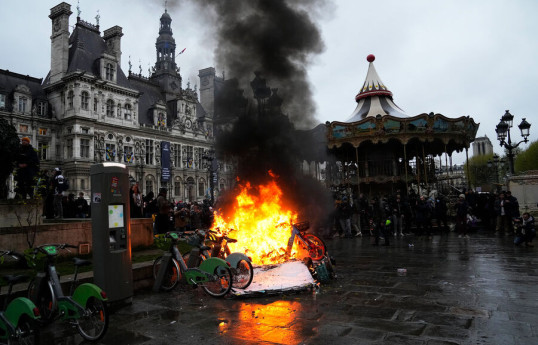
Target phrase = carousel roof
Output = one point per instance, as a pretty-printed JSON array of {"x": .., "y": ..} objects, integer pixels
[{"x": 374, "y": 98}]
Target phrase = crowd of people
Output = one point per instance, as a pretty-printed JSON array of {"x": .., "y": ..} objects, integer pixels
[
  {"x": 380, "y": 217},
  {"x": 400, "y": 215},
  {"x": 170, "y": 215}
]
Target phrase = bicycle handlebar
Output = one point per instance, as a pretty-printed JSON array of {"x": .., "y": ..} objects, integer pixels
[{"x": 41, "y": 248}]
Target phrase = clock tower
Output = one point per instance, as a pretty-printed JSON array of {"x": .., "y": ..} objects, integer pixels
[{"x": 59, "y": 16}]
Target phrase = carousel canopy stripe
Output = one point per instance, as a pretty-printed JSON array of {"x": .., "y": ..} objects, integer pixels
[
  {"x": 373, "y": 106},
  {"x": 423, "y": 125}
]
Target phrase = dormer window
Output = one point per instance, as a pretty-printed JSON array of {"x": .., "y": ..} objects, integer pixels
[
  {"x": 70, "y": 98},
  {"x": 2, "y": 100},
  {"x": 109, "y": 72},
  {"x": 22, "y": 104}
]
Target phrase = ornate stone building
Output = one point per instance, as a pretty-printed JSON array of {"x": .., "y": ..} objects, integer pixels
[{"x": 87, "y": 110}]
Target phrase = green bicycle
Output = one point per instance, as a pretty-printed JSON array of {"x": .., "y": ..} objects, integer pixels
[
  {"x": 18, "y": 318},
  {"x": 85, "y": 307},
  {"x": 213, "y": 275}
]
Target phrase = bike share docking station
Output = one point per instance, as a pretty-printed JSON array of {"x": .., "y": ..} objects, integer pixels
[{"x": 111, "y": 231}]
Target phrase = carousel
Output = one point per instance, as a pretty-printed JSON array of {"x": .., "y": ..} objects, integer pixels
[{"x": 380, "y": 149}]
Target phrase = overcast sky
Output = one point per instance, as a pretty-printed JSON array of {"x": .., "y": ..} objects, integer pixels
[{"x": 453, "y": 57}]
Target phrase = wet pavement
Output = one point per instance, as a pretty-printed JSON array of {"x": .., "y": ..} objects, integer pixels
[{"x": 480, "y": 290}]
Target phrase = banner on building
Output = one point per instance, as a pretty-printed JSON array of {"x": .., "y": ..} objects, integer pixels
[{"x": 165, "y": 161}]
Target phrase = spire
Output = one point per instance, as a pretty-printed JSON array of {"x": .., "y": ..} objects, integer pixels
[
  {"x": 166, "y": 46},
  {"x": 373, "y": 86},
  {"x": 374, "y": 98}
]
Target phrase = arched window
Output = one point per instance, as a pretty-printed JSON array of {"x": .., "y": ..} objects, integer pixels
[
  {"x": 177, "y": 187},
  {"x": 149, "y": 184},
  {"x": 109, "y": 71},
  {"x": 70, "y": 98},
  {"x": 127, "y": 113},
  {"x": 110, "y": 108},
  {"x": 201, "y": 187},
  {"x": 85, "y": 100}
]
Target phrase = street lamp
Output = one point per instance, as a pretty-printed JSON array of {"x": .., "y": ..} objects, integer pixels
[
  {"x": 496, "y": 163},
  {"x": 212, "y": 168},
  {"x": 503, "y": 135}
]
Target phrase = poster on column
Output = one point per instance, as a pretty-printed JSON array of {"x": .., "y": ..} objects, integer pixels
[{"x": 115, "y": 216}]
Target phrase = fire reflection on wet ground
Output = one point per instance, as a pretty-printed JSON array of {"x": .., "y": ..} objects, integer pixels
[{"x": 272, "y": 323}]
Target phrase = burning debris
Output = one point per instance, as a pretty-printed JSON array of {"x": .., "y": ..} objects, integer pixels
[
  {"x": 290, "y": 276},
  {"x": 261, "y": 222}
]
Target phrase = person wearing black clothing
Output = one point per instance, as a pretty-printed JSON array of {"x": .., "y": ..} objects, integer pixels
[
  {"x": 513, "y": 204},
  {"x": 375, "y": 214},
  {"x": 27, "y": 169},
  {"x": 505, "y": 208},
  {"x": 69, "y": 206},
  {"x": 162, "y": 219},
  {"x": 81, "y": 206},
  {"x": 150, "y": 205},
  {"x": 525, "y": 230},
  {"x": 462, "y": 208},
  {"x": 196, "y": 217},
  {"x": 59, "y": 186},
  {"x": 135, "y": 198},
  {"x": 344, "y": 217},
  {"x": 399, "y": 216},
  {"x": 422, "y": 216},
  {"x": 363, "y": 211},
  {"x": 441, "y": 214}
]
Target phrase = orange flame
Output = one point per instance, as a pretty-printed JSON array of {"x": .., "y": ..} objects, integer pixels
[{"x": 261, "y": 223}]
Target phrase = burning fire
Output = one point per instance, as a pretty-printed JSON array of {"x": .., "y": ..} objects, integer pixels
[{"x": 261, "y": 223}]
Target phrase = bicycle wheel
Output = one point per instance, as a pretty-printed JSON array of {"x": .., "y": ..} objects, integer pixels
[
  {"x": 45, "y": 300},
  {"x": 92, "y": 325},
  {"x": 317, "y": 247},
  {"x": 27, "y": 333},
  {"x": 172, "y": 275},
  {"x": 243, "y": 274},
  {"x": 222, "y": 284}
]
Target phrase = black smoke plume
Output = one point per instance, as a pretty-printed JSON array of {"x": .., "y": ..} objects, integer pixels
[
  {"x": 267, "y": 45},
  {"x": 277, "y": 37}
]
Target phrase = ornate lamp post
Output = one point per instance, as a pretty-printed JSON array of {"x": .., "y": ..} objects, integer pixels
[
  {"x": 212, "y": 167},
  {"x": 496, "y": 163},
  {"x": 503, "y": 135}
]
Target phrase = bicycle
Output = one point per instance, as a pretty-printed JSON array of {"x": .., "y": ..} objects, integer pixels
[
  {"x": 18, "y": 318},
  {"x": 213, "y": 274},
  {"x": 314, "y": 245},
  {"x": 240, "y": 264},
  {"x": 85, "y": 306}
]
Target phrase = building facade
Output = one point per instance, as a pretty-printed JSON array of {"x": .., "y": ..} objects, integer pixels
[{"x": 87, "y": 111}]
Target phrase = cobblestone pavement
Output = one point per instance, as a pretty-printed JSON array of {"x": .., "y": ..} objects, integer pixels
[{"x": 480, "y": 290}]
